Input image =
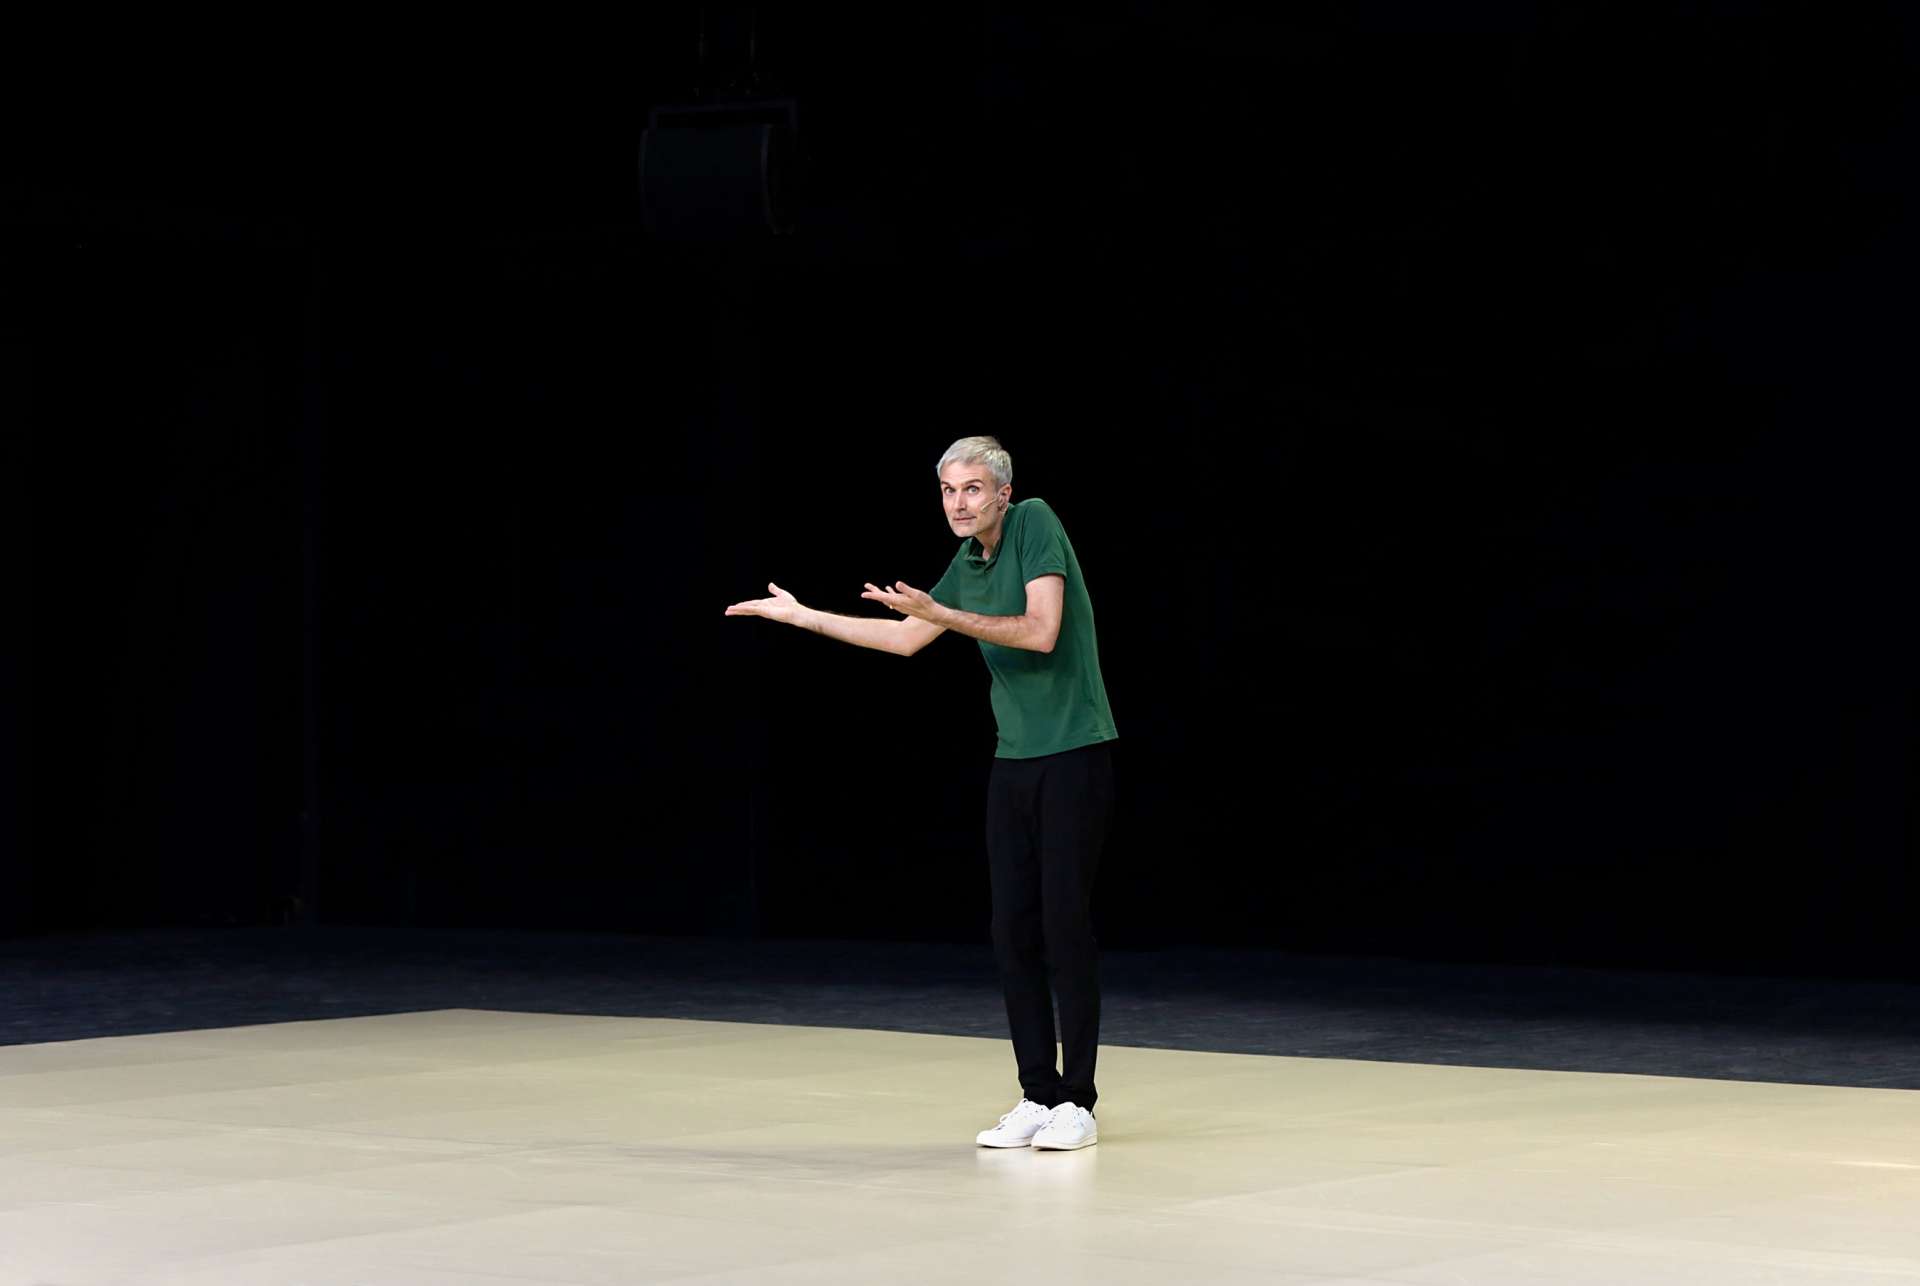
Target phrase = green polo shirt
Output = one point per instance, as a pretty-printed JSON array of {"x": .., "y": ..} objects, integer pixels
[{"x": 1043, "y": 702}]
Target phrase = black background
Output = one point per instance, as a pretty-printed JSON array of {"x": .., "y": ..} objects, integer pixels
[{"x": 1483, "y": 427}]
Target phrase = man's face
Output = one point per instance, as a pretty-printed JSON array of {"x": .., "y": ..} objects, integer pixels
[{"x": 974, "y": 506}]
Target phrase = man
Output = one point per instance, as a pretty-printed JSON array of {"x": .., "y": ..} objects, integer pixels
[{"x": 1015, "y": 586}]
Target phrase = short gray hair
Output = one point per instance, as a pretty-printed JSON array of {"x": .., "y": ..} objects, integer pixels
[{"x": 987, "y": 451}]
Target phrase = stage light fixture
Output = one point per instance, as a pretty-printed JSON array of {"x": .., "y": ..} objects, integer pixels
[{"x": 719, "y": 172}]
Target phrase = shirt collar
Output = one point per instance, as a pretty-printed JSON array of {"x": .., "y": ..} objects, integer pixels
[{"x": 976, "y": 551}]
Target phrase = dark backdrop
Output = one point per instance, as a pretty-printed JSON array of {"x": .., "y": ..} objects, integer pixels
[{"x": 1484, "y": 429}]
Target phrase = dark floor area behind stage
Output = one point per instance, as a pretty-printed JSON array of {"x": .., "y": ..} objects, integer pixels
[{"x": 1827, "y": 1032}]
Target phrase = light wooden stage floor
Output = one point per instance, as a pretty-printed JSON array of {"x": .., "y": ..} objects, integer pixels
[{"x": 476, "y": 1148}]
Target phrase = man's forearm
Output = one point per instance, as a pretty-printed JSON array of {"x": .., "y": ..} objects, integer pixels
[
  {"x": 861, "y": 631},
  {"x": 1027, "y": 632}
]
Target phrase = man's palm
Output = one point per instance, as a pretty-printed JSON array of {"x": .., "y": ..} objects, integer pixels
[
  {"x": 904, "y": 599},
  {"x": 781, "y": 607}
]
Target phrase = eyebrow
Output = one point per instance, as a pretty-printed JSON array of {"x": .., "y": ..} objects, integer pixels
[{"x": 964, "y": 482}]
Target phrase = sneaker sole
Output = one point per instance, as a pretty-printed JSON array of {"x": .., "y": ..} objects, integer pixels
[
  {"x": 1016, "y": 1143},
  {"x": 1087, "y": 1142}
]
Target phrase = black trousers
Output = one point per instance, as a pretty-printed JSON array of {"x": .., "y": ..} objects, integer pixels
[{"x": 1047, "y": 821}]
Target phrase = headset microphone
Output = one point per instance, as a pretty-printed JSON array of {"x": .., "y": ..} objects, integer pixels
[{"x": 981, "y": 513}]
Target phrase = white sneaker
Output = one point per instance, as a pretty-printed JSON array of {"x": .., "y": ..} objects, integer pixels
[
  {"x": 1068, "y": 1126},
  {"x": 1016, "y": 1128}
]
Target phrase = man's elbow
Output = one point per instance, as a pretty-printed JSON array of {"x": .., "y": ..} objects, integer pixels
[
  {"x": 909, "y": 642},
  {"x": 1048, "y": 639}
]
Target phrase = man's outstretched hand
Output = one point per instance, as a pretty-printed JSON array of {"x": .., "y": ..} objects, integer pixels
[
  {"x": 782, "y": 607},
  {"x": 905, "y": 599}
]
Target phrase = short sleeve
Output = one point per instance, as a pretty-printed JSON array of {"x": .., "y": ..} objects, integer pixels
[{"x": 1041, "y": 545}]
